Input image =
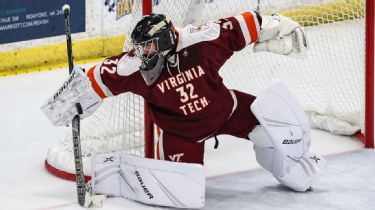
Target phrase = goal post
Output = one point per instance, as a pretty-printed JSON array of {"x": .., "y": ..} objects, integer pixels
[
  {"x": 369, "y": 121},
  {"x": 149, "y": 125},
  {"x": 334, "y": 84}
]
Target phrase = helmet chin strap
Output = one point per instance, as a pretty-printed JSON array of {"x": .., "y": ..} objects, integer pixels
[
  {"x": 151, "y": 75},
  {"x": 173, "y": 61}
]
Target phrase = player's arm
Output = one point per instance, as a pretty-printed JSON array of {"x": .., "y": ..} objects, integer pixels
[
  {"x": 275, "y": 33},
  {"x": 114, "y": 75},
  {"x": 220, "y": 39},
  {"x": 89, "y": 88}
]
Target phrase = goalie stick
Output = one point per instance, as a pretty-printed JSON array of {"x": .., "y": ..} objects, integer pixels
[{"x": 85, "y": 198}]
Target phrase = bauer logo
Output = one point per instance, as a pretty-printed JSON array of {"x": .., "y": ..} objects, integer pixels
[
  {"x": 145, "y": 189},
  {"x": 292, "y": 141},
  {"x": 65, "y": 85}
]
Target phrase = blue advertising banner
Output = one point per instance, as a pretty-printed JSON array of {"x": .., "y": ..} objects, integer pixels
[{"x": 22, "y": 20}]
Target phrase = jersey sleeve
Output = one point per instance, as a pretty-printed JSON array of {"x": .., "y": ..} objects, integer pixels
[
  {"x": 250, "y": 23},
  {"x": 114, "y": 75},
  {"x": 237, "y": 32},
  {"x": 220, "y": 39}
]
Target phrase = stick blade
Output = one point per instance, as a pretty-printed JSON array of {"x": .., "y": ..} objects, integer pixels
[{"x": 94, "y": 201}]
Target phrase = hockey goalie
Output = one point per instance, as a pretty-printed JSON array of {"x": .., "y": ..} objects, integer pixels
[{"x": 176, "y": 71}]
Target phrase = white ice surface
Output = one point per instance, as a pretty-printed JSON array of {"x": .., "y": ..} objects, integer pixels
[{"x": 25, "y": 135}]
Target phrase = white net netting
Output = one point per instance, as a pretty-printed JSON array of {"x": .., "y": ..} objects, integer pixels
[{"x": 329, "y": 83}]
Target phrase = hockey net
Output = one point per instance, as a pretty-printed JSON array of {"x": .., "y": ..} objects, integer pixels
[{"x": 329, "y": 83}]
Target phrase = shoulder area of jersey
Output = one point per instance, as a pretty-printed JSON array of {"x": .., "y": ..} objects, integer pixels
[
  {"x": 128, "y": 64},
  {"x": 190, "y": 35}
]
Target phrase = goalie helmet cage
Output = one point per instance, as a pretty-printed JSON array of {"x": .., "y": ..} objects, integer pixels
[{"x": 334, "y": 84}]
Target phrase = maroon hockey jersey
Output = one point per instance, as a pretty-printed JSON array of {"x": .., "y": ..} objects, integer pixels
[{"x": 189, "y": 99}]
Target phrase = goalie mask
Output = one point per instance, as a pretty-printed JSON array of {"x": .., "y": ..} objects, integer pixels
[{"x": 153, "y": 41}]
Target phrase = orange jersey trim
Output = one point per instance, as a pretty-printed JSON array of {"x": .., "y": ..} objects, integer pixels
[
  {"x": 94, "y": 84},
  {"x": 250, "y": 23},
  {"x": 157, "y": 151},
  {"x": 157, "y": 144}
]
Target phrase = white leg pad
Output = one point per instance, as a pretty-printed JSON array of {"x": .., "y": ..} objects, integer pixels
[
  {"x": 150, "y": 181},
  {"x": 283, "y": 119},
  {"x": 282, "y": 141},
  {"x": 302, "y": 172},
  {"x": 105, "y": 177}
]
